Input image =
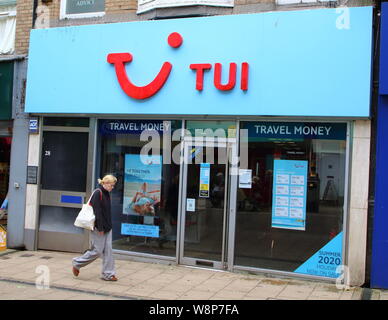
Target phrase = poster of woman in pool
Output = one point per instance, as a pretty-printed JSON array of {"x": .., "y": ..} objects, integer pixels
[{"x": 142, "y": 184}]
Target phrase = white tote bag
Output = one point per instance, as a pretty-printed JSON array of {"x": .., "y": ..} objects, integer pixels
[{"x": 86, "y": 217}]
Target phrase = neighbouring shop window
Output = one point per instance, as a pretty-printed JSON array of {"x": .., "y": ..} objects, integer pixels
[
  {"x": 6, "y": 89},
  {"x": 5, "y": 154},
  {"x": 82, "y": 8},
  {"x": 290, "y": 204},
  {"x": 145, "y": 199},
  {"x": 5, "y": 157}
]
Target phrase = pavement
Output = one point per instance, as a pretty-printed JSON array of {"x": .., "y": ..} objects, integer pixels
[{"x": 46, "y": 275}]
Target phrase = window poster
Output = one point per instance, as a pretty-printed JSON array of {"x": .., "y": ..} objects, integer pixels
[
  {"x": 142, "y": 185},
  {"x": 245, "y": 178},
  {"x": 190, "y": 204},
  {"x": 141, "y": 230},
  {"x": 289, "y": 194},
  {"x": 327, "y": 261}
]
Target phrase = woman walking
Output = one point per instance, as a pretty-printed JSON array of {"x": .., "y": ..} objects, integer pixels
[{"x": 101, "y": 236}]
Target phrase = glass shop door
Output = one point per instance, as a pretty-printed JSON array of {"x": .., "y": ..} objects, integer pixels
[{"x": 205, "y": 204}]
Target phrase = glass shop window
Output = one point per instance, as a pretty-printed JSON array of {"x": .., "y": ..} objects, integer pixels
[
  {"x": 145, "y": 198},
  {"x": 290, "y": 204},
  {"x": 5, "y": 155}
]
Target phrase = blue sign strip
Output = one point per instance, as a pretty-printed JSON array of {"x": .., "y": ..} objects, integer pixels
[
  {"x": 71, "y": 199},
  {"x": 132, "y": 126},
  {"x": 296, "y": 130}
]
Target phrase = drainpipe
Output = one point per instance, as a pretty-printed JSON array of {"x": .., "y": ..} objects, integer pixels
[{"x": 34, "y": 15}]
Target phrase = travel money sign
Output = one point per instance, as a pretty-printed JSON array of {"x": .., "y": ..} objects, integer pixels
[{"x": 296, "y": 130}]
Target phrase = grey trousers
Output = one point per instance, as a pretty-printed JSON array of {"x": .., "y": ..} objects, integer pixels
[{"x": 101, "y": 247}]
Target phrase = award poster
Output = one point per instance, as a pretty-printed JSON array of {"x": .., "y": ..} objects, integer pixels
[
  {"x": 204, "y": 180},
  {"x": 289, "y": 194},
  {"x": 142, "y": 185}
]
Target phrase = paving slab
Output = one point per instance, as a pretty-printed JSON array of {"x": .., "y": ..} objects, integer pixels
[
  {"x": 165, "y": 295},
  {"x": 143, "y": 290},
  {"x": 178, "y": 288},
  {"x": 213, "y": 285},
  {"x": 228, "y": 295},
  {"x": 242, "y": 285},
  {"x": 383, "y": 295},
  {"x": 22, "y": 291},
  {"x": 296, "y": 291},
  {"x": 197, "y": 295}
]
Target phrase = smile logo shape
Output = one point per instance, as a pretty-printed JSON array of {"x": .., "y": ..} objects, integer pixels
[{"x": 142, "y": 92}]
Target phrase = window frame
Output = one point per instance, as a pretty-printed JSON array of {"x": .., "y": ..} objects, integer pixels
[{"x": 63, "y": 15}]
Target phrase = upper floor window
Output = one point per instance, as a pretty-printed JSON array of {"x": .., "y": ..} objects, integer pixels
[
  {"x": 82, "y": 8},
  {"x": 7, "y": 26},
  {"x": 146, "y": 5}
]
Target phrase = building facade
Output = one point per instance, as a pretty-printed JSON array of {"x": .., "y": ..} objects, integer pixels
[
  {"x": 379, "y": 276},
  {"x": 7, "y": 32},
  {"x": 240, "y": 137},
  {"x": 13, "y": 124}
]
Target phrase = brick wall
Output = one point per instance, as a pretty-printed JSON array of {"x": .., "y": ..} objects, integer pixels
[
  {"x": 23, "y": 25},
  {"x": 54, "y": 7},
  {"x": 120, "y": 6}
]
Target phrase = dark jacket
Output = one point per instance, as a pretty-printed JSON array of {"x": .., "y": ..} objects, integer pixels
[{"x": 100, "y": 202}]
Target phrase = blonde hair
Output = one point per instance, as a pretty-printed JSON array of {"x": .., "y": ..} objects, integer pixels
[{"x": 107, "y": 179}]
